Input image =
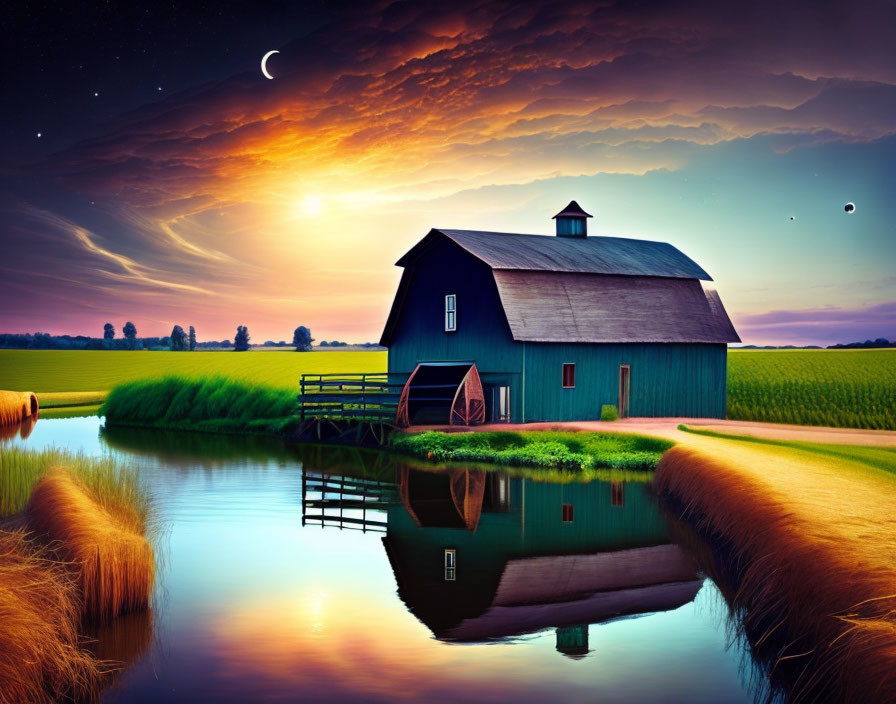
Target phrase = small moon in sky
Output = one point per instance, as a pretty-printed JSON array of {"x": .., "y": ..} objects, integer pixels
[
  {"x": 850, "y": 207},
  {"x": 264, "y": 61}
]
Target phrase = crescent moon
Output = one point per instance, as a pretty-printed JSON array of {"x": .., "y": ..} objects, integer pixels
[{"x": 264, "y": 60}]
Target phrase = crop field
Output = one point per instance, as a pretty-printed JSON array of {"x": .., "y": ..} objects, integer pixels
[
  {"x": 842, "y": 388},
  {"x": 46, "y": 371}
]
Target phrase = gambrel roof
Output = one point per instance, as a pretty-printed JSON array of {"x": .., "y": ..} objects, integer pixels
[{"x": 588, "y": 290}]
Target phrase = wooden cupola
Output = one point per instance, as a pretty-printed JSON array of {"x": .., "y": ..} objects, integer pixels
[{"x": 572, "y": 221}]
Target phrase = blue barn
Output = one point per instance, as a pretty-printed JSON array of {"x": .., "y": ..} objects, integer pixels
[{"x": 490, "y": 326}]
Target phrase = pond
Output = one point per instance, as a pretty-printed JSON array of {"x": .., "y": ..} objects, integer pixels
[{"x": 312, "y": 573}]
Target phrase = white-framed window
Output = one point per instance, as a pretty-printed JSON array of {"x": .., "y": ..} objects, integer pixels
[
  {"x": 451, "y": 312},
  {"x": 450, "y": 565},
  {"x": 501, "y": 401}
]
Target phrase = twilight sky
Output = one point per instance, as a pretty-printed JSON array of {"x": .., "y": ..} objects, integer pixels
[{"x": 151, "y": 173}]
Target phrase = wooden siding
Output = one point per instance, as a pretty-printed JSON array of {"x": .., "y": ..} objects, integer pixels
[{"x": 666, "y": 380}]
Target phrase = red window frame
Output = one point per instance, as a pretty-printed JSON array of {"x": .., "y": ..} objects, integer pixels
[
  {"x": 569, "y": 375},
  {"x": 566, "y": 513}
]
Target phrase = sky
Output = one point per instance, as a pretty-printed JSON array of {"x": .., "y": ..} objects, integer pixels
[{"x": 150, "y": 172}]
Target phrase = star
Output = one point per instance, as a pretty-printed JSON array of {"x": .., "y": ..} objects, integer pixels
[
  {"x": 159, "y": 88},
  {"x": 96, "y": 95},
  {"x": 38, "y": 135}
]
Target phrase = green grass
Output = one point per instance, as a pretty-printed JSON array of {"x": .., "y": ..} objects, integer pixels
[
  {"x": 112, "y": 484},
  {"x": 878, "y": 457},
  {"x": 842, "y": 388},
  {"x": 45, "y": 371},
  {"x": 548, "y": 449},
  {"x": 207, "y": 404},
  {"x": 65, "y": 399}
]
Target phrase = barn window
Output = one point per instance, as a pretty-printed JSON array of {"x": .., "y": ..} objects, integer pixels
[
  {"x": 451, "y": 312},
  {"x": 450, "y": 565},
  {"x": 617, "y": 492},
  {"x": 569, "y": 376},
  {"x": 566, "y": 513}
]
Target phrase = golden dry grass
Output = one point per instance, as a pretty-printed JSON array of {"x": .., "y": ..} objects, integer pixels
[
  {"x": 41, "y": 658},
  {"x": 112, "y": 560},
  {"x": 812, "y": 542},
  {"x": 16, "y": 406}
]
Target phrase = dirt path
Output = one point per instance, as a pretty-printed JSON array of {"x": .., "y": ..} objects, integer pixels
[{"x": 668, "y": 428}]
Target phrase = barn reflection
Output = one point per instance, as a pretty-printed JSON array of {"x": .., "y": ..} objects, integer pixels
[{"x": 480, "y": 556}]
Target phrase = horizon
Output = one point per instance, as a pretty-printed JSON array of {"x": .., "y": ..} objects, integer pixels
[{"x": 156, "y": 175}]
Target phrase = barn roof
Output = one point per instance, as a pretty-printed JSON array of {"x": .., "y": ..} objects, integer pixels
[
  {"x": 586, "y": 255},
  {"x": 587, "y": 290},
  {"x": 593, "y": 308}
]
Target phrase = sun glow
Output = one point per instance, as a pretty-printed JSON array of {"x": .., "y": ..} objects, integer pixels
[{"x": 312, "y": 205}]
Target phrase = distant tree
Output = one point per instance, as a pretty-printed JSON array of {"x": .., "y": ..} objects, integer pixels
[
  {"x": 192, "y": 338},
  {"x": 108, "y": 331},
  {"x": 241, "y": 341},
  {"x": 178, "y": 339},
  {"x": 301, "y": 339},
  {"x": 130, "y": 335}
]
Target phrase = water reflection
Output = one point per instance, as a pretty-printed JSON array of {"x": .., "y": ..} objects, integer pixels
[
  {"x": 22, "y": 429},
  {"x": 482, "y": 556},
  {"x": 341, "y": 574}
]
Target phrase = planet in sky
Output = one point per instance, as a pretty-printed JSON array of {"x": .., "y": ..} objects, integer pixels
[{"x": 264, "y": 61}]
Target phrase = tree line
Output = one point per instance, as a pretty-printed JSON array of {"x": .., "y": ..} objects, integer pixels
[{"x": 178, "y": 341}]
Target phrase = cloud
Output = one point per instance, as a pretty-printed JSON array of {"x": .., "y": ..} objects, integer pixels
[{"x": 823, "y": 326}]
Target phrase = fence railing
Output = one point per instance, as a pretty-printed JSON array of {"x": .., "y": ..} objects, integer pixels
[{"x": 372, "y": 397}]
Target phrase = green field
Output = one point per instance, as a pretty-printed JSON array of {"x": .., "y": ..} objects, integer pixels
[
  {"x": 842, "y": 388},
  {"x": 846, "y": 388},
  {"x": 44, "y": 371}
]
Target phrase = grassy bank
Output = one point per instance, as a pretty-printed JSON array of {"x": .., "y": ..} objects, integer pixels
[
  {"x": 544, "y": 449},
  {"x": 877, "y": 457},
  {"x": 211, "y": 404},
  {"x": 841, "y": 388},
  {"x": 808, "y": 533},
  {"x": 73, "y": 553}
]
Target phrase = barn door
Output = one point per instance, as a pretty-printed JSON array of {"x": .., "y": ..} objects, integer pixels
[{"x": 624, "y": 387}]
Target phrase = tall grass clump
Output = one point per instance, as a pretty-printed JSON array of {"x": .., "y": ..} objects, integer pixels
[
  {"x": 78, "y": 557},
  {"x": 213, "y": 403},
  {"x": 15, "y": 406},
  {"x": 111, "y": 559},
  {"x": 841, "y": 388},
  {"x": 41, "y": 659},
  {"x": 544, "y": 449},
  {"x": 114, "y": 486}
]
